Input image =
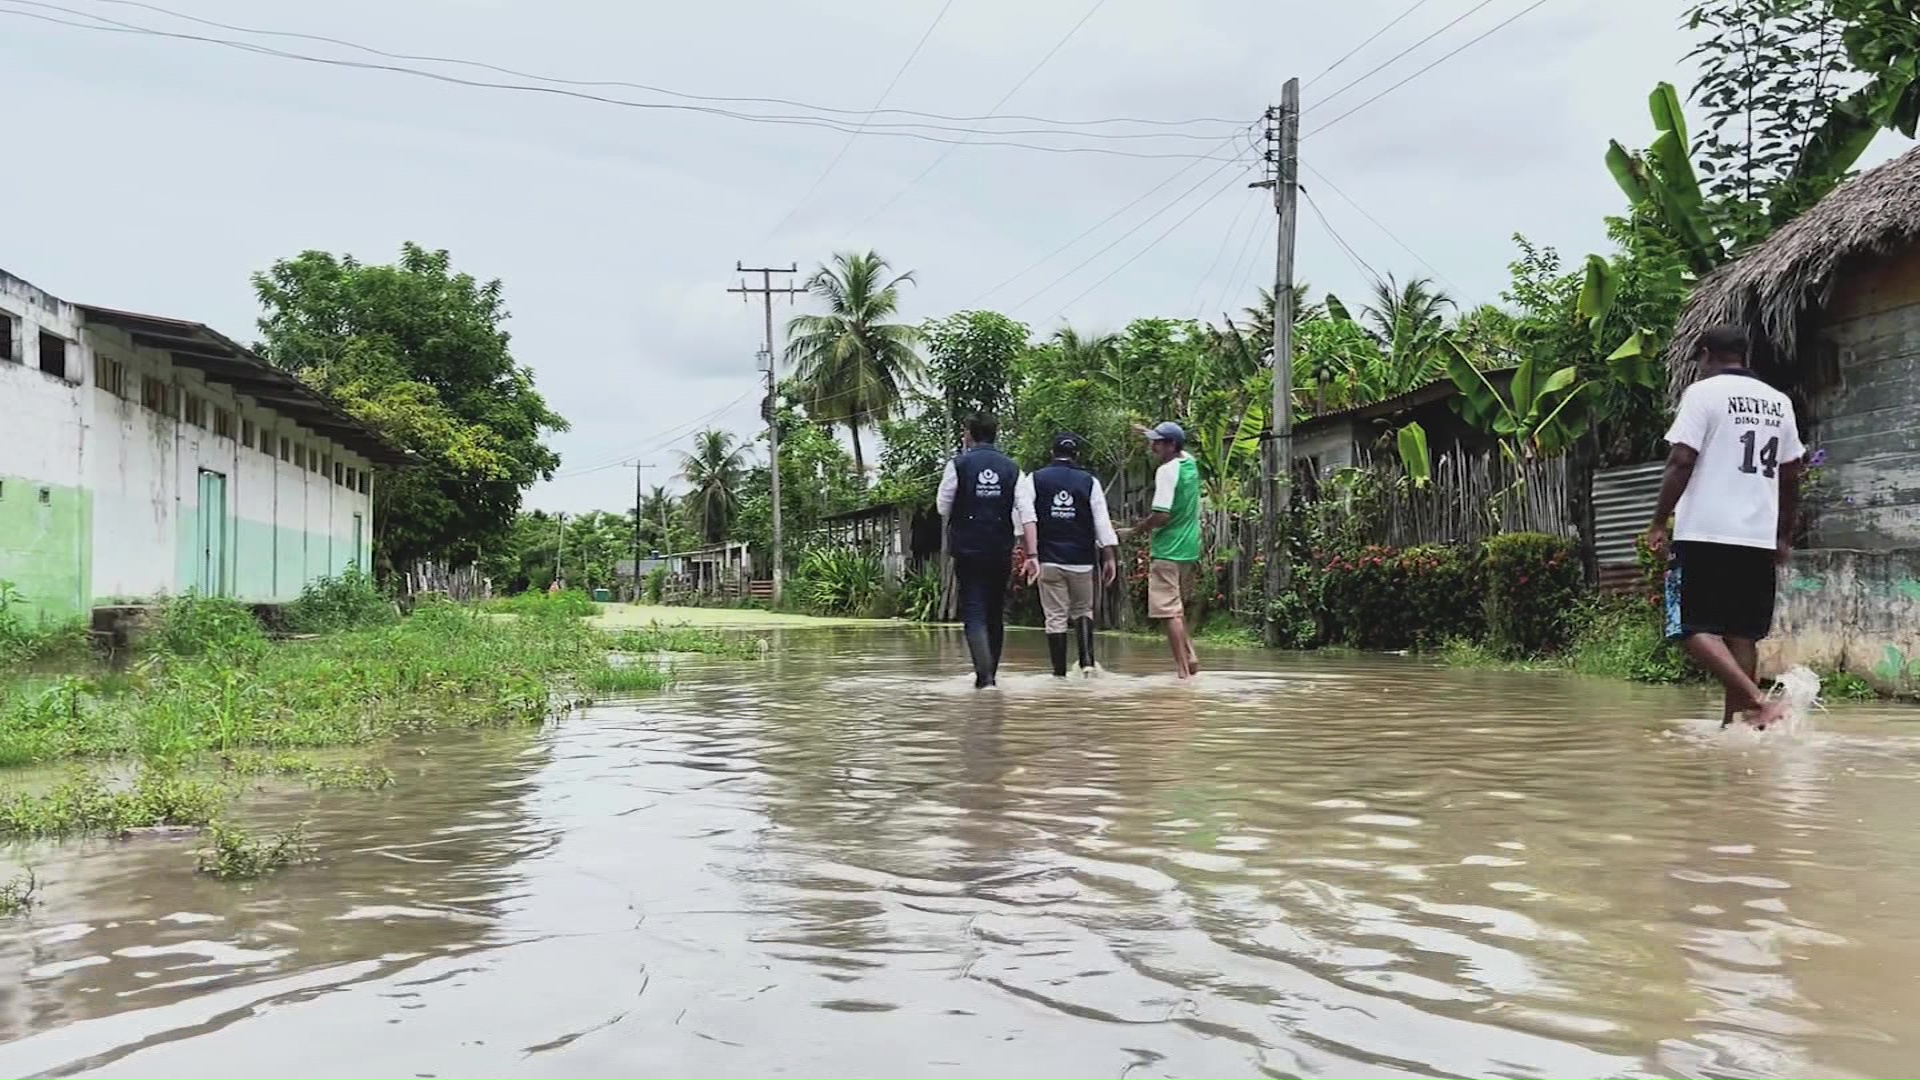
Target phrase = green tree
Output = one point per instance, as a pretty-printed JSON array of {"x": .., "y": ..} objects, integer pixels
[
  {"x": 713, "y": 472},
  {"x": 419, "y": 353},
  {"x": 1410, "y": 323},
  {"x": 854, "y": 364},
  {"x": 972, "y": 357}
]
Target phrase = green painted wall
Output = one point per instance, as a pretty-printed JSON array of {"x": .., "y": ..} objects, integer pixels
[{"x": 46, "y": 547}]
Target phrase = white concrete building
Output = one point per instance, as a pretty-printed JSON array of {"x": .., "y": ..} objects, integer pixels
[{"x": 142, "y": 456}]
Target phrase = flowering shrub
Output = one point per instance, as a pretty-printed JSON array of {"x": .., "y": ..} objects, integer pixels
[
  {"x": 1386, "y": 598},
  {"x": 1533, "y": 581}
]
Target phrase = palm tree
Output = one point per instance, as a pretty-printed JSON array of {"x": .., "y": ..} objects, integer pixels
[
  {"x": 714, "y": 472},
  {"x": 1410, "y": 322},
  {"x": 853, "y": 363},
  {"x": 655, "y": 511}
]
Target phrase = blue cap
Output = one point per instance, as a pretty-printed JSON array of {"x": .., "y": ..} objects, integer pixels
[
  {"x": 1066, "y": 442},
  {"x": 1167, "y": 431}
]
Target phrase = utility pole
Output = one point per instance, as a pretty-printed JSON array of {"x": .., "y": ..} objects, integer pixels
[
  {"x": 766, "y": 292},
  {"x": 637, "y": 469},
  {"x": 560, "y": 544},
  {"x": 1283, "y": 135}
]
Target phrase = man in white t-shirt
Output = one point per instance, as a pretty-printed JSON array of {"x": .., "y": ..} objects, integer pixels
[{"x": 1732, "y": 488}]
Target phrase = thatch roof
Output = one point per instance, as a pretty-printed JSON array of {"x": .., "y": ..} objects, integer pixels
[{"x": 1771, "y": 289}]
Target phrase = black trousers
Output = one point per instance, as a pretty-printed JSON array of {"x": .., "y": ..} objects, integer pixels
[{"x": 982, "y": 585}]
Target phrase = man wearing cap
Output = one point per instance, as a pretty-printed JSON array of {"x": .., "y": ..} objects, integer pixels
[
  {"x": 1062, "y": 511},
  {"x": 976, "y": 499},
  {"x": 1174, "y": 522}
]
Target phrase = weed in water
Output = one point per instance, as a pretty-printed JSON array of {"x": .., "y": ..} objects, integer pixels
[
  {"x": 656, "y": 638},
  {"x": 88, "y": 803},
  {"x": 1846, "y": 686},
  {"x": 571, "y": 604},
  {"x": 27, "y": 637},
  {"x": 18, "y": 895},
  {"x": 319, "y": 774},
  {"x": 611, "y": 678},
  {"x": 350, "y": 601},
  {"x": 233, "y": 854},
  {"x": 1621, "y": 638}
]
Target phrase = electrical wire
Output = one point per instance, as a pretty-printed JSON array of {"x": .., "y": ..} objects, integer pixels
[
  {"x": 1004, "y": 98},
  {"x": 1226, "y": 241},
  {"x": 1335, "y": 188},
  {"x": 789, "y": 102},
  {"x": 1155, "y": 242},
  {"x": 1395, "y": 58},
  {"x": 1143, "y": 223},
  {"x": 782, "y": 120},
  {"x": 1096, "y": 226},
  {"x": 662, "y": 441},
  {"x": 1497, "y": 27},
  {"x": 1246, "y": 276},
  {"x": 1397, "y": 20},
  {"x": 1353, "y": 256}
]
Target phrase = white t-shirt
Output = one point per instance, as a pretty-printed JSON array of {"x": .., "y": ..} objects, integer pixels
[{"x": 1744, "y": 431}]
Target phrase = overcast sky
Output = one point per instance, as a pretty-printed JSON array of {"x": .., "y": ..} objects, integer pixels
[{"x": 155, "y": 174}]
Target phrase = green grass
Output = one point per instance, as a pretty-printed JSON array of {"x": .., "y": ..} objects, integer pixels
[
  {"x": 18, "y": 895},
  {"x": 89, "y": 803},
  {"x": 611, "y": 678},
  {"x": 233, "y": 854},
  {"x": 1846, "y": 686},
  {"x": 570, "y": 604},
  {"x": 659, "y": 638},
  {"x": 332, "y": 776}
]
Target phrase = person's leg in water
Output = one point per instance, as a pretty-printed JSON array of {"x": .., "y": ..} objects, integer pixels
[
  {"x": 1182, "y": 645},
  {"x": 1164, "y": 604},
  {"x": 1747, "y": 655},
  {"x": 968, "y": 576},
  {"x": 998, "y": 573},
  {"x": 1186, "y": 610},
  {"x": 1053, "y": 607},
  {"x": 1710, "y": 651},
  {"x": 1079, "y": 613},
  {"x": 1083, "y": 629}
]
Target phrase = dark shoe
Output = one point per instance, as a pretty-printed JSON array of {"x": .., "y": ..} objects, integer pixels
[
  {"x": 1084, "y": 630},
  {"x": 1057, "y": 650},
  {"x": 982, "y": 654}
]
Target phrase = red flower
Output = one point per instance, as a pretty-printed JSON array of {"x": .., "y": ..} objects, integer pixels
[{"x": 1523, "y": 579}]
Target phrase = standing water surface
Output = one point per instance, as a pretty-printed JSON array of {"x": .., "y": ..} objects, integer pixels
[{"x": 841, "y": 860}]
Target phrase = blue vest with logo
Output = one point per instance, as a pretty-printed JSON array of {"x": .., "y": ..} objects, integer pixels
[
  {"x": 1063, "y": 509},
  {"x": 982, "y": 519}
]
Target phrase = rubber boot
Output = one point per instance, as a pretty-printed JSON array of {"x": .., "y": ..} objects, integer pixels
[
  {"x": 1057, "y": 649},
  {"x": 982, "y": 654},
  {"x": 1084, "y": 631}
]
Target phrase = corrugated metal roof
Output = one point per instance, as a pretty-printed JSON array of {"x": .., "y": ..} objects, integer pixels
[{"x": 1623, "y": 502}]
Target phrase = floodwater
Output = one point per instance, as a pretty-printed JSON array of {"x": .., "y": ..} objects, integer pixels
[{"x": 841, "y": 860}]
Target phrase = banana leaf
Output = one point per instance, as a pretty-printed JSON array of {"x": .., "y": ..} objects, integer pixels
[
  {"x": 1412, "y": 443},
  {"x": 1630, "y": 173}
]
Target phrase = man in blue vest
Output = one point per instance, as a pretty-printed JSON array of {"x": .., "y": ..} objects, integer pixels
[
  {"x": 976, "y": 499},
  {"x": 1062, "y": 510}
]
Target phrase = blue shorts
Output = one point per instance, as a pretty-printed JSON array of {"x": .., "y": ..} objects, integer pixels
[{"x": 1719, "y": 589}]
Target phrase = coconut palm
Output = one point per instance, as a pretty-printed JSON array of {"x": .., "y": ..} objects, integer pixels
[
  {"x": 713, "y": 472},
  {"x": 655, "y": 511},
  {"x": 1410, "y": 322},
  {"x": 852, "y": 363}
]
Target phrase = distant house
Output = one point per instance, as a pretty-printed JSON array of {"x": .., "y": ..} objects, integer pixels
[
  {"x": 150, "y": 456},
  {"x": 1832, "y": 305},
  {"x": 902, "y": 536},
  {"x": 1345, "y": 438}
]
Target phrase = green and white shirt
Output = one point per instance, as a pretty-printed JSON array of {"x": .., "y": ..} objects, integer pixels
[{"x": 1176, "y": 493}]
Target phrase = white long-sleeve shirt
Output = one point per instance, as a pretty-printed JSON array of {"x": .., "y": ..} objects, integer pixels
[
  {"x": 1025, "y": 513},
  {"x": 950, "y": 486}
]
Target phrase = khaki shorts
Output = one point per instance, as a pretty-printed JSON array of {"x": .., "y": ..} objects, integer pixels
[
  {"x": 1064, "y": 595},
  {"x": 1167, "y": 585}
]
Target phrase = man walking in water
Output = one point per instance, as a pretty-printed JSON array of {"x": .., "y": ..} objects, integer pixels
[
  {"x": 976, "y": 499},
  {"x": 1733, "y": 476},
  {"x": 1062, "y": 510},
  {"x": 1175, "y": 525}
]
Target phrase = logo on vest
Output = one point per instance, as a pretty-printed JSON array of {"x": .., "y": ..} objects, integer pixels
[
  {"x": 1063, "y": 504},
  {"x": 986, "y": 485}
]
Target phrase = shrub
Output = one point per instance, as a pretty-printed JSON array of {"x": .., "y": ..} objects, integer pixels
[
  {"x": 1621, "y": 638},
  {"x": 837, "y": 580},
  {"x": 234, "y": 854},
  {"x": 656, "y": 584},
  {"x": 1445, "y": 593},
  {"x": 1846, "y": 686},
  {"x": 1383, "y": 598},
  {"x": 195, "y": 625},
  {"x": 18, "y": 895},
  {"x": 920, "y": 593},
  {"x": 1533, "y": 582},
  {"x": 347, "y": 602},
  {"x": 571, "y": 604},
  {"x": 1293, "y": 621},
  {"x": 21, "y": 641}
]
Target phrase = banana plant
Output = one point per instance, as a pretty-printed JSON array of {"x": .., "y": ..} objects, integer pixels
[
  {"x": 1633, "y": 362},
  {"x": 1225, "y": 443},
  {"x": 1411, "y": 441},
  {"x": 1664, "y": 179},
  {"x": 1537, "y": 415}
]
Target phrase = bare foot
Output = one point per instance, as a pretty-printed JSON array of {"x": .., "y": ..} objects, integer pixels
[{"x": 1767, "y": 715}]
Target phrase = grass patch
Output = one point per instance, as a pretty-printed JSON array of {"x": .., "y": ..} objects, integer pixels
[
  {"x": 348, "y": 602},
  {"x": 572, "y": 604},
  {"x": 687, "y": 639},
  {"x": 327, "y": 776},
  {"x": 610, "y": 678},
  {"x": 90, "y": 803},
  {"x": 1622, "y": 638},
  {"x": 234, "y": 854},
  {"x": 18, "y": 895},
  {"x": 1846, "y": 686},
  {"x": 1223, "y": 630}
]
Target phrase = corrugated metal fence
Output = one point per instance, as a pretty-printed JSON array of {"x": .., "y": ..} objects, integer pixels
[{"x": 1623, "y": 501}]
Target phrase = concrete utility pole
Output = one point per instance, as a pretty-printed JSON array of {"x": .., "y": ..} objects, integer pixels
[
  {"x": 1283, "y": 134},
  {"x": 766, "y": 293},
  {"x": 637, "y": 469},
  {"x": 560, "y": 543}
]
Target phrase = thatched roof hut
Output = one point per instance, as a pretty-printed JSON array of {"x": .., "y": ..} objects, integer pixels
[{"x": 1832, "y": 305}]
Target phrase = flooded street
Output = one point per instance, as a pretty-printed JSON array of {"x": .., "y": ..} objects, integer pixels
[{"x": 841, "y": 860}]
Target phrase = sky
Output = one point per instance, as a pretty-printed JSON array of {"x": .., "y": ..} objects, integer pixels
[{"x": 156, "y": 174}]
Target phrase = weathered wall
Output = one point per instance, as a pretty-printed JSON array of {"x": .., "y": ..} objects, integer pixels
[
  {"x": 1856, "y": 611},
  {"x": 1867, "y": 409},
  {"x": 44, "y": 507}
]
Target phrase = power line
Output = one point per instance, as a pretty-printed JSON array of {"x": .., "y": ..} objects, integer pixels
[
  {"x": 1395, "y": 58},
  {"x": 1335, "y": 188},
  {"x": 1143, "y": 223},
  {"x": 1397, "y": 20},
  {"x": 556, "y": 80},
  {"x": 1497, "y": 27},
  {"x": 1096, "y": 226},
  {"x": 1246, "y": 276},
  {"x": 1235, "y": 272},
  {"x": 1353, "y": 256},
  {"x": 1155, "y": 242},
  {"x": 1004, "y": 98},
  {"x": 776, "y": 119},
  {"x": 662, "y": 441},
  {"x": 1226, "y": 241}
]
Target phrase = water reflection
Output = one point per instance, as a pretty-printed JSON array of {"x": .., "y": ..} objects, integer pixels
[{"x": 843, "y": 860}]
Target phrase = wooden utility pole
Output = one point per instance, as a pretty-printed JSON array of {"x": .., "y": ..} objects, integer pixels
[
  {"x": 1283, "y": 134},
  {"x": 766, "y": 293},
  {"x": 637, "y": 469}
]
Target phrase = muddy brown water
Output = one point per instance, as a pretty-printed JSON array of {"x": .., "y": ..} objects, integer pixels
[{"x": 841, "y": 861}]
